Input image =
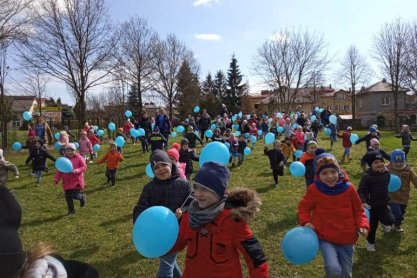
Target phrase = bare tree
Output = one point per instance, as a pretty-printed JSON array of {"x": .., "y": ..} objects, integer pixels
[
  {"x": 136, "y": 56},
  {"x": 411, "y": 59},
  {"x": 354, "y": 71},
  {"x": 169, "y": 57},
  {"x": 13, "y": 21},
  {"x": 73, "y": 43},
  {"x": 291, "y": 61},
  {"x": 390, "y": 46},
  {"x": 3, "y": 103}
]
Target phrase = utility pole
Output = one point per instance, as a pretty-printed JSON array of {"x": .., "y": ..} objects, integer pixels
[{"x": 3, "y": 69}]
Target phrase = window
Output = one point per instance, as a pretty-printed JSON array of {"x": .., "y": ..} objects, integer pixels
[
  {"x": 346, "y": 107},
  {"x": 16, "y": 123},
  {"x": 385, "y": 101},
  {"x": 336, "y": 107}
]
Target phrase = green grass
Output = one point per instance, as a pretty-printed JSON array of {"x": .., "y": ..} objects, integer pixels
[{"x": 100, "y": 233}]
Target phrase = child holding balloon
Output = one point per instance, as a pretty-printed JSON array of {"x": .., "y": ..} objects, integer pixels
[
  {"x": 94, "y": 140},
  {"x": 399, "y": 198},
  {"x": 287, "y": 149},
  {"x": 214, "y": 228},
  {"x": 308, "y": 160},
  {"x": 334, "y": 210},
  {"x": 72, "y": 181},
  {"x": 168, "y": 190},
  {"x": 276, "y": 161},
  {"x": 112, "y": 159},
  {"x": 38, "y": 156},
  {"x": 5, "y": 167},
  {"x": 86, "y": 148},
  {"x": 346, "y": 143}
]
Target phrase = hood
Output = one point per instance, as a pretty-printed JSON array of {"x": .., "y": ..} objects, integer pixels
[{"x": 244, "y": 203}]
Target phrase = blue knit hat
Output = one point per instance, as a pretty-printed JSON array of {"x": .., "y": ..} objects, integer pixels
[
  {"x": 397, "y": 156},
  {"x": 214, "y": 177},
  {"x": 324, "y": 160},
  {"x": 372, "y": 129}
]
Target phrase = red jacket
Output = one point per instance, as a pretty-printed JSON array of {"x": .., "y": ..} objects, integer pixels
[
  {"x": 336, "y": 218},
  {"x": 112, "y": 159},
  {"x": 214, "y": 249},
  {"x": 345, "y": 140}
]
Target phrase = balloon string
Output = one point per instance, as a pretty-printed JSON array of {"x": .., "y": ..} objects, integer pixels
[{"x": 189, "y": 195}]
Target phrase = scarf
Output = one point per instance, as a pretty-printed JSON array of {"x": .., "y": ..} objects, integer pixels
[
  {"x": 341, "y": 186},
  {"x": 199, "y": 217}
]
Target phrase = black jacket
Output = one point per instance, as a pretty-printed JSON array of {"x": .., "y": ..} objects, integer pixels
[
  {"x": 367, "y": 138},
  {"x": 373, "y": 188},
  {"x": 192, "y": 138},
  {"x": 146, "y": 124},
  {"x": 204, "y": 122},
  {"x": 38, "y": 158},
  {"x": 188, "y": 157},
  {"x": 275, "y": 157},
  {"x": 170, "y": 193}
]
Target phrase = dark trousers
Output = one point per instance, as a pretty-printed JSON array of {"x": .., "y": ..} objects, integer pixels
[
  {"x": 277, "y": 172},
  {"x": 144, "y": 143},
  {"x": 381, "y": 214},
  {"x": 406, "y": 149},
  {"x": 70, "y": 195},
  {"x": 203, "y": 134},
  {"x": 398, "y": 211},
  {"x": 111, "y": 176}
]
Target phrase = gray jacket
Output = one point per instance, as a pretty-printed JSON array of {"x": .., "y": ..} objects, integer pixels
[{"x": 5, "y": 167}]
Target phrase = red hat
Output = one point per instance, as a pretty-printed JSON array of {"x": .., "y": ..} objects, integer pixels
[
  {"x": 176, "y": 146},
  {"x": 174, "y": 154}
]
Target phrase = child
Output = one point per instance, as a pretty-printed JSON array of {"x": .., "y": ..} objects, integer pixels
[
  {"x": 112, "y": 159},
  {"x": 121, "y": 134},
  {"x": 38, "y": 156},
  {"x": 174, "y": 155},
  {"x": 287, "y": 149},
  {"x": 399, "y": 199},
  {"x": 94, "y": 140},
  {"x": 234, "y": 149},
  {"x": 254, "y": 130},
  {"x": 192, "y": 138},
  {"x": 334, "y": 129},
  {"x": 64, "y": 140},
  {"x": 217, "y": 136},
  {"x": 333, "y": 209},
  {"x": 215, "y": 231},
  {"x": 5, "y": 167},
  {"x": 242, "y": 144},
  {"x": 300, "y": 137},
  {"x": 309, "y": 137},
  {"x": 73, "y": 182},
  {"x": 373, "y": 191},
  {"x": 308, "y": 160},
  {"x": 346, "y": 143},
  {"x": 276, "y": 161},
  {"x": 374, "y": 146},
  {"x": 165, "y": 189},
  {"x": 406, "y": 138},
  {"x": 157, "y": 140},
  {"x": 367, "y": 138},
  {"x": 30, "y": 142},
  {"x": 86, "y": 148},
  {"x": 187, "y": 157}
]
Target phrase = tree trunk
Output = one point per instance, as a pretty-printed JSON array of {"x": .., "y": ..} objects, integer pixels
[{"x": 396, "y": 123}]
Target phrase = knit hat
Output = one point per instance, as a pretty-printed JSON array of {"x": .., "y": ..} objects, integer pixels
[
  {"x": 372, "y": 129},
  {"x": 176, "y": 146},
  {"x": 160, "y": 157},
  {"x": 214, "y": 177},
  {"x": 112, "y": 144},
  {"x": 372, "y": 156},
  {"x": 156, "y": 129},
  {"x": 311, "y": 142},
  {"x": 374, "y": 142},
  {"x": 184, "y": 141},
  {"x": 397, "y": 156},
  {"x": 71, "y": 146},
  {"x": 349, "y": 128},
  {"x": 324, "y": 160},
  {"x": 12, "y": 255},
  {"x": 174, "y": 153}
]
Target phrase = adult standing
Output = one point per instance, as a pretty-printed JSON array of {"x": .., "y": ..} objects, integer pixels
[
  {"x": 204, "y": 124},
  {"x": 43, "y": 131},
  {"x": 146, "y": 124},
  {"x": 223, "y": 110},
  {"x": 163, "y": 123},
  {"x": 325, "y": 114}
]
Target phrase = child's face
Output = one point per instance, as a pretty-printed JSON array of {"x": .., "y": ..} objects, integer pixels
[
  {"x": 375, "y": 147},
  {"x": 184, "y": 147},
  {"x": 378, "y": 166},
  {"x": 398, "y": 165},
  {"x": 311, "y": 148},
  {"x": 204, "y": 197},
  {"x": 329, "y": 176},
  {"x": 37, "y": 145},
  {"x": 173, "y": 159},
  {"x": 113, "y": 148},
  {"x": 277, "y": 146},
  {"x": 69, "y": 152},
  {"x": 162, "y": 171}
]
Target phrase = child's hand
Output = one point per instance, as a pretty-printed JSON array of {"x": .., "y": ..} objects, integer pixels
[
  {"x": 281, "y": 164},
  {"x": 363, "y": 232},
  {"x": 309, "y": 225},
  {"x": 16, "y": 177},
  {"x": 178, "y": 213},
  {"x": 55, "y": 184}
]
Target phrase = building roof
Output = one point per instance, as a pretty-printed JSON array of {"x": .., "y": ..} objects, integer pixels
[
  {"x": 22, "y": 103},
  {"x": 380, "y": 87}
]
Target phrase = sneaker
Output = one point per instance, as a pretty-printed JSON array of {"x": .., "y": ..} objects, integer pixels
[
  {"x": 71, "y": 214},
  {"x": 387, "y": 229},
  {"x": 82, "y": 201},
  {"x": 398, "y": 229},
  {"x": 90, "y": 161},
  {"x": 276, "y": 185},
  {"x": 370, "y": 247}
]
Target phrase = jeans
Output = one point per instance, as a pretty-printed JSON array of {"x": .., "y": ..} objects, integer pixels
[
  {"x": 168, "y": 267},
  {"x": 346, "y": 152},
  {"x": 398, "y": 211},
  {"x": 337, "y": 259},
  {"x": 69, "y": 196},
  {"x": 38, "y": 175}
]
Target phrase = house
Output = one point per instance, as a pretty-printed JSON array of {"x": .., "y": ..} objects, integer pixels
[{"x": 375, "y": 104}]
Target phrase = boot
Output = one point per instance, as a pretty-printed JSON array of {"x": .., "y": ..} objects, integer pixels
[{"x": 343, "y": 158}]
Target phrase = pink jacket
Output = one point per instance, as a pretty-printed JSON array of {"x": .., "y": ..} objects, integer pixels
[
  {"x": 300, "y": 136},
  {"x": 74, "y": 180},
  {"x": 85, "y": 147}
]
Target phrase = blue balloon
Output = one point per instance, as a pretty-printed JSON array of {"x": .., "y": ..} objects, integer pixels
[
  {"x": 58, "y": 146},
  {"x": 141, "y": 132},
  {"x": 253, "y": 139},
  {"x": 128, "y": 113},
  {"x": 297, "y": 169},
  {"x": 298, "y": 153},
  {"x": 327, "y": 131},
  {"x": 155, "y": 231},
  {"x": 237, "y": 133},
  {"x": 240, "y": 114},
  {"x": 214, "y": 152},
  {"x": 247, "y": 151},
  {"x": 120, "y": 141},
  {"x": 227, "y": 145},
  {"x": 180, "y": 129},
  {"x": 95, "y": 128},
  {"x": 134, "y": 133},
  {"x": 27, "y": 116},
  {"x": 246, "y": 135},
  {"x": 354, "y": 138},
  {"x": 213, "y": 126},
  {"x": 236, "y": 127},
  {"x": 317, "y": 109},
  {"x": 321, "y": 110},
  {"x": 259, "y": 132},
  {"x": 209, "y": 133},
  {"x": 270, "y": 120},
  {"x": 279, "y": 115},
  {"x": 100, "y": 132},
  {"x": 63, "y": 165},
  {"x": 368, "y": 214},
  {"x": 112, "y": 126},
  {"x": 234, "y": 117},
  {"x": 248, "y": 117},
  {"x": 394, "y": 183},
  {"x": 333, "y": 119},
  {"x": 149, "y": 171},
  {"x": 17, "y": 146},
  {"x": 173, "y": 134},
  {"x": 300, "y": 245},
  {"x": 294, "y": 126},
  {"x": 269, "y": 138},
  {"x": 152, "y": 126},
  {"x": 280, "y": 129},
  {"x": 313, "y": 118},
  {"x": 196, "y": 109},
  {"x": 76, "y": 145},
  {"x": 96, "y": 147},
  {"x": 57, "y": 135}
]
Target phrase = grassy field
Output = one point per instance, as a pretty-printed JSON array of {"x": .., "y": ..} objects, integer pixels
[{"x": 100, "y": 233}]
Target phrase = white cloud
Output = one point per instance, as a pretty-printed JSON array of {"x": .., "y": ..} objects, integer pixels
[
  {"x": 208, "y": 3},
  {"x": 208, "y": 37},
  {"x": 278, "y": 38}
]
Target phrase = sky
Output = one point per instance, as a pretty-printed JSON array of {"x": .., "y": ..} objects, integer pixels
[{"x": 216, "y": 29}]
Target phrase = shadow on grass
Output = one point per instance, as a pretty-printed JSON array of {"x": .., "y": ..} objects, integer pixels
[
  {"x": 38, "y": 222},
  {"x": 266, "y": 189},
  {"x": 264, "y": 174},
  {"x": 96, "y": 189},
  {"x": 85, "y": 252},
  {"x": 137, "y": 176},
  {"x": 281, "y": 225},
  {"x": 122, "y": 219},
  {"x": 115, "y": 267}
]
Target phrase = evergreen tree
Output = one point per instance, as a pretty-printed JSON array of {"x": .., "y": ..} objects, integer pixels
[
  {"x": 235, "y": 90},
  {"x": 220, "y": 85},
  {"x": 188, "y": 90},
  {"x": 133, "y": 102},
  {"x": 208, "y": 86}
]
